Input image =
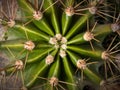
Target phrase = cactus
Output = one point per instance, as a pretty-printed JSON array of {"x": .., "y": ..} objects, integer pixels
[{"x": 58, "y": 44}]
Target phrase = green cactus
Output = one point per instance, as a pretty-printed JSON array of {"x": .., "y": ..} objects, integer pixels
[{"x": 58, "y": 44}]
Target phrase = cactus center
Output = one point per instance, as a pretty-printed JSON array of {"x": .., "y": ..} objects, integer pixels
[{"x": 59, "y": 42}]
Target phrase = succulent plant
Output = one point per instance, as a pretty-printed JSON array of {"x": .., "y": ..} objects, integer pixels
[{"x": 58, "y": 44}]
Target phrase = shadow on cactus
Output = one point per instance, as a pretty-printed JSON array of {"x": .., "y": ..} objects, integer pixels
[{"x": 58, "y": 45}]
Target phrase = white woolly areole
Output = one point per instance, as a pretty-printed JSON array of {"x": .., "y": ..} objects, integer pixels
[
  {"x": 49, "y": 59},
  {"x": 64, "y": 46},
  {"x": 19, "y": 64},
  {"x": 115, "y": 27},
  {"x": 37, "y": 15},
  {"x": 105, "y": 55},
  {"x": 81, "y": 64},
  {"x": 29, "y": 45},
  {"x": 69, "y": 11},
  {"x": 62, "y": 53},
  {"x": 11, "y": 23},
  {"x": 2, "y": 73},
  {"x": 53, "y": 40},
  {"x": 88, "y": 36},
  {"x": 58, "y": 36},
  {"x": 93, "y": 10},
  {"x": 53, "y": 81},
  {"x": 63, "y": 40},
  {"x": 102, "y": 82}
]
